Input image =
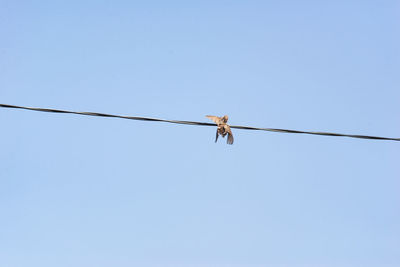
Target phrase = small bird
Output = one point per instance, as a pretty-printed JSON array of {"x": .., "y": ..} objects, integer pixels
[{"x": 223, "y": 128}]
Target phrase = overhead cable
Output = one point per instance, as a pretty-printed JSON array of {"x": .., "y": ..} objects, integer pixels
[{"x": 198, "y": 123}]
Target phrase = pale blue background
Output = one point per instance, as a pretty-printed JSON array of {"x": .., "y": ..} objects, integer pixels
[{"x": 85, "y": 191}]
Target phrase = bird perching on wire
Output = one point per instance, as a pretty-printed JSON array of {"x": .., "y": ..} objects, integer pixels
[{"x": 223, "y": 128}]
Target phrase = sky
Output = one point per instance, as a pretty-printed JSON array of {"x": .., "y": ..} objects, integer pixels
[{"x": 87, "y": 191}]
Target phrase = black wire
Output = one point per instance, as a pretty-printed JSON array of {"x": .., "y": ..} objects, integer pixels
[{"x": 199, "y": 123}]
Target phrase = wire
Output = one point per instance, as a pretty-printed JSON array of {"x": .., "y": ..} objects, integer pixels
[{"x": 198, "y": 123}]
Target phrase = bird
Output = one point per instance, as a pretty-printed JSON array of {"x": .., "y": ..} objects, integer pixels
[{"x": 223, "y": 128}]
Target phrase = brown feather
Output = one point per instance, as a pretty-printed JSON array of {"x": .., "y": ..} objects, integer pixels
[
  {"x": 230, "y": 136},
  {"x": 215, "y": 119}
]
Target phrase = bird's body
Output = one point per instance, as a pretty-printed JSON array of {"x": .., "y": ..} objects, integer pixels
[{"x": 223, "y": 128}]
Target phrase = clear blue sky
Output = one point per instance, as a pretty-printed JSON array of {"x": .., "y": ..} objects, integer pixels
[{"x": 85, "y": 191}]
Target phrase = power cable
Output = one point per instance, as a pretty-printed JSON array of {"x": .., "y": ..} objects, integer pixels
[{"x": 199, "y": 123}]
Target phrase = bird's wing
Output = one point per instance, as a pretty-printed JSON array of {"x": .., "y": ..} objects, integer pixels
[
  {"x": 215, "y": 119},
  {"x": 230, "y": 136},
  {"x": 216, "y": 137}
]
